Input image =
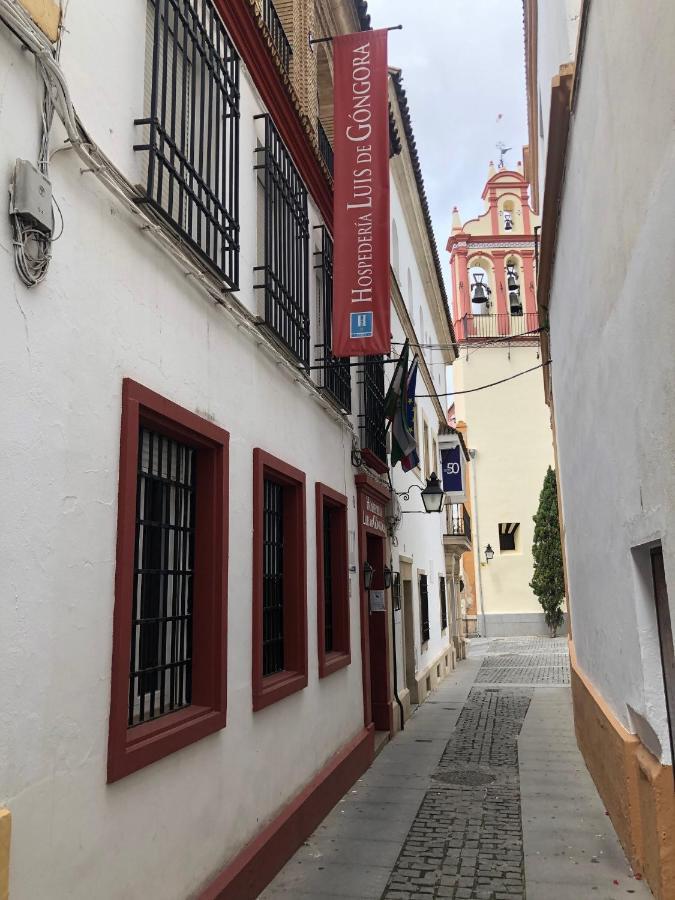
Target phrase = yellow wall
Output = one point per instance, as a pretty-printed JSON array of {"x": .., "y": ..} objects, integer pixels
[
  {"x": 5, "y": 835},
  {"x": 509, "y": 428}
]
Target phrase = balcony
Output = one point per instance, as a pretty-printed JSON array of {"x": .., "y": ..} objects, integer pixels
[
  {"x": 276, "y": 31},
  {"x": 478, "y": 326},
  {"x": 457, "y": 537}
]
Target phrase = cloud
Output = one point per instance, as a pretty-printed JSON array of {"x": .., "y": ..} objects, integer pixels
[{"x": 463, "y": 65}]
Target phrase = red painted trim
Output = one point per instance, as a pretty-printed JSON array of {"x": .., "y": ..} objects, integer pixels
[
  {"x": 256, "y": 865},
  {"x": 270, "y": 689},
  {"x": 130, "y": 749},
  {"x": 376, "y": 464},
  {"x": 366, "y": 484},
  {"x": 340, "y": 656},
  {"x": 239, "y": 19}
]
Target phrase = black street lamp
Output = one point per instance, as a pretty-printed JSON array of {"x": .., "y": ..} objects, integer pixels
[
  {"x": 368, "y": 573},
  {"x": 432, "y": 495},
  {"x": 489, "y": 553},
  {"x": 387, "y": 577}
]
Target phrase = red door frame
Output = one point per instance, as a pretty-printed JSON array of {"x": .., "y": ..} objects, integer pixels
[{"x": 369, "y": 487}]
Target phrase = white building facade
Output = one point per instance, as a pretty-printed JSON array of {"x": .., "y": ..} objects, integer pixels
[
  {"x": 191, "y": 674},
  {"x": 606, "y": 154}
]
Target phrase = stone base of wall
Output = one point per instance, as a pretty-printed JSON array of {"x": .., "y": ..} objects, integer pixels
[
  {"x": 517, "y": 625},
  {"x": 428, "y": 679},
  {"x": 636, "y": 789}
]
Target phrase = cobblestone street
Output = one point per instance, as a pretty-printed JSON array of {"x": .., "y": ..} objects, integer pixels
[{"x": 484, "y": 796}]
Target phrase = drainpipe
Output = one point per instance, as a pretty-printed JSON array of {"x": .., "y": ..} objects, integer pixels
[{"x": 476, "y": 546}]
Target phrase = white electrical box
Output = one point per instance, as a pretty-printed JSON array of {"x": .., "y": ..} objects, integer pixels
[{"x": 31, "y": 196}]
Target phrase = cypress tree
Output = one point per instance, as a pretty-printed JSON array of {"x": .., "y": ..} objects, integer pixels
[{"x": 548, "y": 581}]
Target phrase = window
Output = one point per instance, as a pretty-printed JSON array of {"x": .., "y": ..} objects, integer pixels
[
  {"x": 507, "y": 535},
  {"x": 444, "y": 605},
  {"x": 279, "y": 580},
  {"x": 332, "y": 587},
  {"x": 336, "y": 377},
  {"x": 372, "y": 421},
  {"x": 170, "y": 618},
  {"x": 424, "y": 609},
  {"x": 285, "y": 266},
  {"x": 190, "y": 127}
]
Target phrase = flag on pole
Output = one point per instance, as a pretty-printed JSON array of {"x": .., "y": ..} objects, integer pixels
[
  {"x": 411, "y": 459},
  {"x": 403, "y": 437},
  {"x": 393, "y": 399}
]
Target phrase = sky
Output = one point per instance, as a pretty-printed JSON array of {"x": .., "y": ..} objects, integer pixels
[{"x": 463, "y": 67}]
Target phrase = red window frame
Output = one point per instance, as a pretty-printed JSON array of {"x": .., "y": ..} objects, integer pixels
[
  {"x": 340, "y": 656},
  {"x": 272, "y": 688},
  {"x": 130, "y": 749}
]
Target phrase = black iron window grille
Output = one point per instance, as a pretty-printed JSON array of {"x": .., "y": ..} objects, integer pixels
[
  {"x": 191, "y": 130},
  {"x": 371, "y": 420},
  {"x": 336, "y": 377},
  {"x": 273, "y": 577},
  {"x": 285, "y": 245},
  {"x": 160, "y": 672},
  {"x": 444, "y": 604},
  {"x": 276, "y": 31},
  {"x": 424, "y": 609},
  {"x": 325, "y": 147},
  {"x": 327, "y": 580}
]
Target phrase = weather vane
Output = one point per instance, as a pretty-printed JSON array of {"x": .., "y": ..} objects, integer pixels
[{"x": 503, "y": 150}]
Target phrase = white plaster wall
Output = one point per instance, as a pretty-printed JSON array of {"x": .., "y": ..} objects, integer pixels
[
  {"x": 420, "y": 536},
  {"x": 612, "y": 330},
  {"x": 114, "y": 306},
  {"x": 508, "y": 426}
]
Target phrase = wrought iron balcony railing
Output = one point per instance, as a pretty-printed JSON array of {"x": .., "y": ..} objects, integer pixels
[
  {"x": 277, "y": 33},
  {"x": 482, "y": 326},
  {"x": 325, "y": 147},
  {"x": 458, "y": 520}
]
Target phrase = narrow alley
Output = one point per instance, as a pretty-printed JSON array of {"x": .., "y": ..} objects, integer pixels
[{"x": 484, "y": 795}]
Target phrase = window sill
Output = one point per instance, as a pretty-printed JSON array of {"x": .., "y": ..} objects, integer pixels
[
  {"x": 276, "y": 687},
  {"x": 333, "y": 662},
  {"x": 144, "y": 744}
]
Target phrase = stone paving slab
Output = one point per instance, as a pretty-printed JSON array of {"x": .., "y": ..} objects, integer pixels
[{"x": 571, "y": 849}]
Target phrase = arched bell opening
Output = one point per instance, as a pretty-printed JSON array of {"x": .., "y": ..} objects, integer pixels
[
  {"x": 514, "y": 281},
  {"x": 480, "y": 286}
]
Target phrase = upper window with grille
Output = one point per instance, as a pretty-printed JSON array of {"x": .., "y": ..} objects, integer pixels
[
  {"x": 279, "y": 580},
  {"x": 169, "y": 648},
  {"x": 508, "y": 536},
  {"x": 190, "y": 127},
  {"x": 335, "y": 374},
  {"x": 283, "y": 272}
]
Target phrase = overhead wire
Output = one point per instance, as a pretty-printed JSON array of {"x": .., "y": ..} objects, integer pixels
[{"x": 484, "y": 387}]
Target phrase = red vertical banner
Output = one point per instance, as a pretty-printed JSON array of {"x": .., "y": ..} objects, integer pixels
[{"x": 361, "y": 301}]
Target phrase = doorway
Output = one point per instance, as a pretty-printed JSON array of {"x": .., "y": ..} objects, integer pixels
[
  {"x": 665, "y": 636},
  {"x": 377, "y": 632},
  {"x": 408, "y": 621}
]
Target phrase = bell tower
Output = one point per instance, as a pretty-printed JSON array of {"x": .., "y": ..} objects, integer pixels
[
  {"x": 494, "y": 310},
  {"x": 492, "y": 262}
]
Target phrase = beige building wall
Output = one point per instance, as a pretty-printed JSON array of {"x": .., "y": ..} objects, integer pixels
[{"x": 510, "y": 432}]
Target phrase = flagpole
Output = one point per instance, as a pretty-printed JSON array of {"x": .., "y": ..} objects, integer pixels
[{"x": 331, "y": 37}]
